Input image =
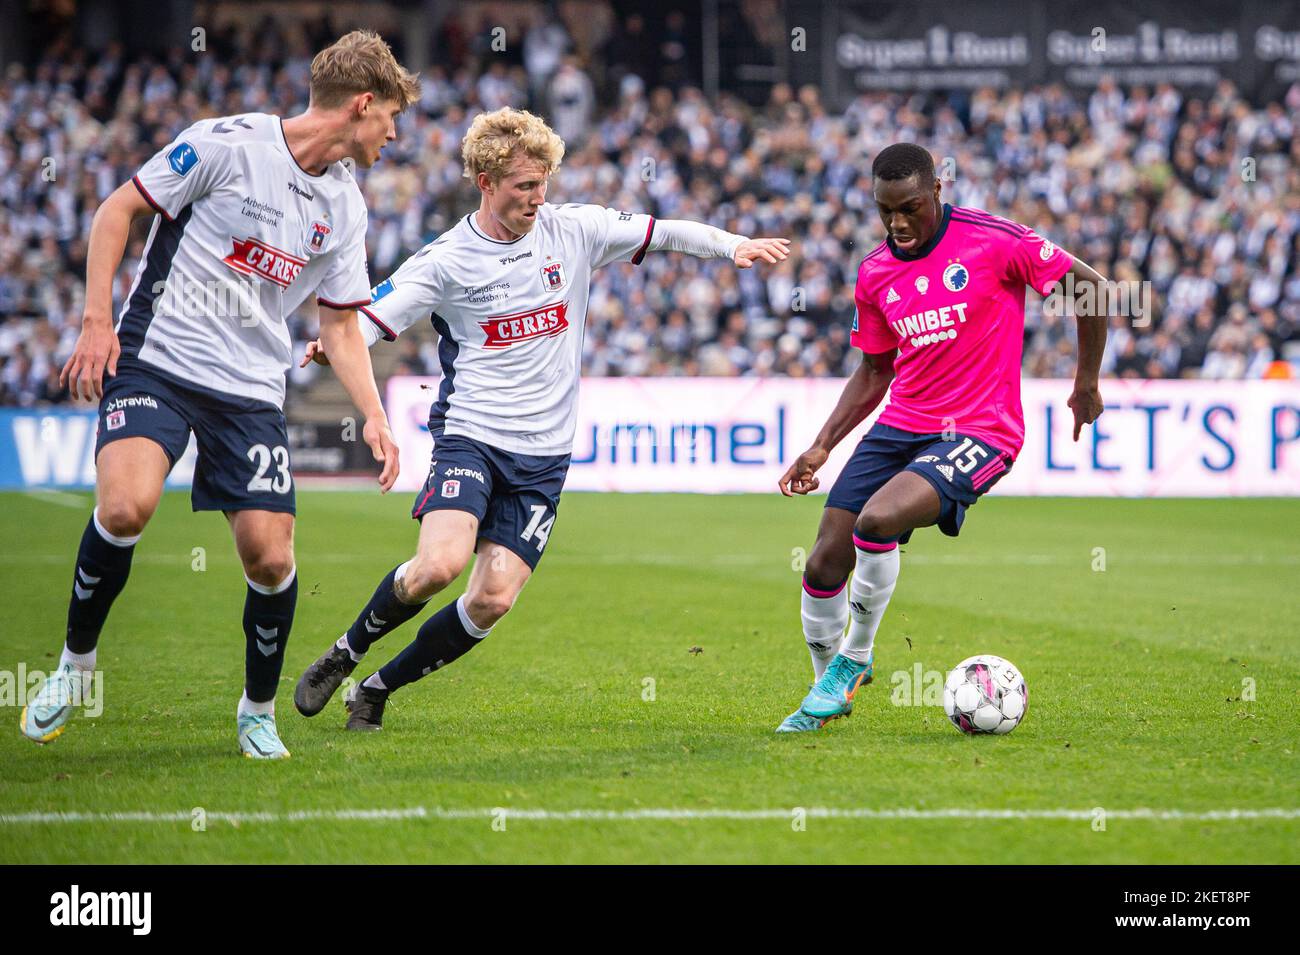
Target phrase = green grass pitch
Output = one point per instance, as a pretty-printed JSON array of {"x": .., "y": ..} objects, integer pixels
[{"x": 1168, "y": 681}]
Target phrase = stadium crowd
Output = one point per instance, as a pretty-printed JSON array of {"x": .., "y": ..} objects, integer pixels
[{"x": 1198, "y": 196}]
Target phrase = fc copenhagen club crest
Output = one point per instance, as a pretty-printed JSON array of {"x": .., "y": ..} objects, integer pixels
[
  {"x": 318, "y": 236},
  {"x": 553, "y": 276},
  {"x": 955, "y": 277}
]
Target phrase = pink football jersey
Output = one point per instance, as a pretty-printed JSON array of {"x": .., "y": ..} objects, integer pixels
[{"x": 955, "y": 310}]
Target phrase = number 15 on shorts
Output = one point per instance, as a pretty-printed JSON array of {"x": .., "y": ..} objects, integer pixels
[{"x": 539, "y": 526}]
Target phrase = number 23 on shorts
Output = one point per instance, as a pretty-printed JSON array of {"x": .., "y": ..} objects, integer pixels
[{"x": 261, "y": 456}]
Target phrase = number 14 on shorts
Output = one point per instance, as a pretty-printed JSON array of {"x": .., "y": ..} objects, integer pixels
[{"x": 537, "y": 527}]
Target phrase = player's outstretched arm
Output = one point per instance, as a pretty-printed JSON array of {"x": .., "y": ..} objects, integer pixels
[
  {"x": 864, "y": 390},
  {"x": 97, "y": 348},
  {"x": 706, "y": 242},
  {"x": 348, "y": 353},
  {"x": 1091, "y": 317}
]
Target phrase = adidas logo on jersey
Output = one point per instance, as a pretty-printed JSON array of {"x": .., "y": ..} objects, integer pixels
[
  {"x": 892, "y": 296},
  {"x": 253, "y": 257},
  {"x": 502, "y": 331},
  {"x": 946, "y": 471}
]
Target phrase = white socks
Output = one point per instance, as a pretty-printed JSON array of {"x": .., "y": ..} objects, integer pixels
[
  {"x": 248, "y": 708},
  {"x": 473, "y": 629},
  {"x": 342, "y": 644},
  {"x": 825, "y": 614},
  {"x": 82, "y": 661},
  {"x": 870, "y": 588}
]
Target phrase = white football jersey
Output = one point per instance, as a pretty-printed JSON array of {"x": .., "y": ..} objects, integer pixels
[
  {"x": 511, "y": 317},
  {"x": 242, "y": 237}
]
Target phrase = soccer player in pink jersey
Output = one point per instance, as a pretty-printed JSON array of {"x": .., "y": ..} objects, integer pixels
[{"x": 940, "y": 321}]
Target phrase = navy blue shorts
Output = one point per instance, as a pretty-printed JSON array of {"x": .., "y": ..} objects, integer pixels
[
  {"x": 514, "y": 496},
  {"x": 243, "y": 445},
  {"x": 960, "y": 470}
]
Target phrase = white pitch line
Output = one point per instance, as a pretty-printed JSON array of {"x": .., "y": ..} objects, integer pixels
[
  {"x": 634, "y": 815},
  {"x": 62, "y": 498},
  {"x": 752, "y": 560}
]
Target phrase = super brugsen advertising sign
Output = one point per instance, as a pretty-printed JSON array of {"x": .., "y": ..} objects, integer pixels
[
  {"x": 723, "y": 435},
  {"x": 936, "y": 45}
]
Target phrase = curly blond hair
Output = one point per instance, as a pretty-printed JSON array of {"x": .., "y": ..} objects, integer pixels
[
  {"x": 360, "y": 62},
  {"x": 495, "y": 139}
]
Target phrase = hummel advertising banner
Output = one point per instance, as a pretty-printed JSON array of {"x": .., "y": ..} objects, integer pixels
[{"x": 721, "y": 435}]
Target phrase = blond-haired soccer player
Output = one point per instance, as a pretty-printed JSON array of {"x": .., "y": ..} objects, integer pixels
[
  {"x": 507, "y": 290},
  {"x": 252, "y": 214}
]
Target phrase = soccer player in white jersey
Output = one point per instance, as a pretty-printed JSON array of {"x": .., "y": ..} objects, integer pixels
[
  {"x": 507, "y": 289},
  {"x": 252, "y": 215}
]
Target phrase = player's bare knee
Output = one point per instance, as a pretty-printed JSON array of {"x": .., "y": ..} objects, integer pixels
[
  {"x": 487, "y": 607},
  {"x": 123, "y": 518},
  {"x": 270, "y": 567},
  {"x": 824, "y": 572},
  {"x": 874, "y": 524},
  {"x": 425, "y": 577}
]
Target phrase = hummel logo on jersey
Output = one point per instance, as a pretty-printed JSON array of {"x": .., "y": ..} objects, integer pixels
[
  {"x": 946, "y": 471},
  {"x": 502, "y": 331},
  {"x": 302, "y": 192},
  {"x": 892, "y": 296},
  {"x": 253, "y": 257}
]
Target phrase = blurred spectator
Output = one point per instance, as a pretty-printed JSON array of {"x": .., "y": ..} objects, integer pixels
[{"x": 1140, "y": 182}]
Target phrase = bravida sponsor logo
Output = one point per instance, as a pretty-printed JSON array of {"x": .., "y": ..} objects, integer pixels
[
  {"x": 252, "y": 257},
  {"x": 75, "y": 907},
  {"x": 465, "y": 472},
  {"x": 502, "y": 331}
]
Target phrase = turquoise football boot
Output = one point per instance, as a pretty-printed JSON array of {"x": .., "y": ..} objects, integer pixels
[
  {"x": 47, "y": 715},
  {"x": 800, "y": 722},
  {"x": 832, "y": 696},
  {"x": 258, "y": 738}
]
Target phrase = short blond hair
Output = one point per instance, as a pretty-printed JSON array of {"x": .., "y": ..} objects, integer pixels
[
  {"x": 360, "y": 62},
  {"x": 495, "y": 139}
]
